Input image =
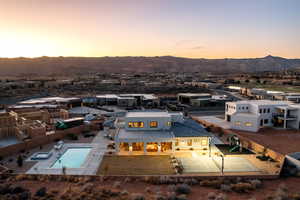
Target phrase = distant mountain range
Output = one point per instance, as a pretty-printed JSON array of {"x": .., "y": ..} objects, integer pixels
[{"x": 81, "y": 65}]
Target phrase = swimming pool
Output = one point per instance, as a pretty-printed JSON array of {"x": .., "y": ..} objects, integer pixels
[{"x": 72, "y": 157}]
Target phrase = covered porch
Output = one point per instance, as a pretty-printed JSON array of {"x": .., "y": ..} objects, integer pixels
[
  {"x": 146, "y": 147},
  {"x": 285, "y": 117}
]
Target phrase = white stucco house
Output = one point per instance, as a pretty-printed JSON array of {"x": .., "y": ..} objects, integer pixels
[
  {"x": 254, "y": 114},
  {"x": 157, "y": 131}
]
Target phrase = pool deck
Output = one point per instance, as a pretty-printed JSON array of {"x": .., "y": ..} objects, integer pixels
[{"x": 89, "y": 167}]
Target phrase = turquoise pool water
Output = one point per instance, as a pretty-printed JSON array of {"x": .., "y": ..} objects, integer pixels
[{"x": 72, "y": 158}]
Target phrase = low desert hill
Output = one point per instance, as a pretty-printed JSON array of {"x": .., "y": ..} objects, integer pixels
[{"x": 70, "y": 65}]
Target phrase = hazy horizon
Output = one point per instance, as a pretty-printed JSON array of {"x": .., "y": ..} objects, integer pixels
[
  {"x": 191, "y": 29},
  {"x": 116, "y": 56}
]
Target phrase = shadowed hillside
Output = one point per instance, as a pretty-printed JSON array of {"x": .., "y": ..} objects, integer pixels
[{"x": 72, "y": 65}]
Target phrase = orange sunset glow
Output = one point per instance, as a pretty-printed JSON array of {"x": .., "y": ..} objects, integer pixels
[{"x": 210, "y": 29}]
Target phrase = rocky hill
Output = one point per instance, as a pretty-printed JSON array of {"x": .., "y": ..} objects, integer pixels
[{"x": 72, "y": 65}]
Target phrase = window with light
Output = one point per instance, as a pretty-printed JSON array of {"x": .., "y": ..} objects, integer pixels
[{"x": 153, "y": 124}]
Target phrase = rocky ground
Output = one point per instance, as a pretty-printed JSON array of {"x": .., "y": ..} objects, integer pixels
[{"x": 140, "y": 188}]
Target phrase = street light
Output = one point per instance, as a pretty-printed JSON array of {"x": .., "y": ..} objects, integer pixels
[{"x": 222, "y": 168}]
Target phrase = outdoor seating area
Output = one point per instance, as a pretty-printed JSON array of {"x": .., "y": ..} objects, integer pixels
[
  {"x": 59, "y": 145},
  {"x": 177, "y": 165},
  {"x": 41, "y": 156}
]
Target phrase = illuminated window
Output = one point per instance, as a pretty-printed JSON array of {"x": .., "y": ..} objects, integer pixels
[
  {"x": 248, "y": 124},
  {"x": 237, "y": 123},
  {"x": 197, "y": 141},
  {"x": 136, "y": 124},
  {"x": 130, "y": 124},
  {"x": 169, "y": 123},
  {"x": 204, "y": 142},
  {"x": 153, "y": 124}
]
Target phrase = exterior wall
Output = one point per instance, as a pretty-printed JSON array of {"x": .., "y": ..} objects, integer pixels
[
  {"x": 239, "y": 123},
  {"x": 7, "y": 120},
  {"x": 162, "y": 123},
  {"x": 259, "y": 115},
  {"x": 184, "y": 143},
  {"x": 191, "y": 143}
]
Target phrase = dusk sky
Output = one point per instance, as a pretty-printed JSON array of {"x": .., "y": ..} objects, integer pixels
[{"x": 185, "y": 28}]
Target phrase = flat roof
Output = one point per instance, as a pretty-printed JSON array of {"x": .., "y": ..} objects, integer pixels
[
  {"x": 132, "y": 98},
  {"x": 73, "y": 119},
  {"x": 287, "y": 107},
  {"x": 262, "y": 102},
  {"x": 86, "y": 110},
  {"x": 194, "y": 94},
  {"x": 48, "y": 99},
  {"x": 148, "y": 114},
  {"x": 33, "y": 106},
  {"x": 112, "y": 96}
]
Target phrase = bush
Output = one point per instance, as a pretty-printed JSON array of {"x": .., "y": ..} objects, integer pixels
[
  {"x": 211, "y": 196},
  {"x": 41, "y": 192},
  {"x": 242, "y": 187},
  {"x": 181, "y": 197},
  {"x": 124, "y": 193},
  {"x": 221, "y": 196},
  {"x": 183, "y": 189},
  {"x": 295, "y": 196},
  {"x": 137, "y": 196},
  {"x": 171, "y": 188},
  {"x": 225, "y": 188},
  {"x": 20, "y": 161},
  {"x": 148, "y": 190},
  {"x": 160, "y": 197},
  {"x": 117, "y": 184},
  {"x": 256, "y": 183},
  {"x": 212, "y": 183}
]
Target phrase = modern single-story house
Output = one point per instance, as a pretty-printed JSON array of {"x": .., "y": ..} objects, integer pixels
[{"x": 157, "y": 131}]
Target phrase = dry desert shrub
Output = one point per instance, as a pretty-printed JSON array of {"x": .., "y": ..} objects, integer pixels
[
  {"x": 221, "y": 196},
  {"x": 225, "y": 188},
  {"x": 137, "y": 196},
  {"x": 256, "y": 183},
  {"x": 21, "y": 177},
  {"x": 124, "y": 193},
  {"x": 181, "y": 197},
  {"x": 211, "y": 196},
  {"x": 183, "y": 189},
  {"x": 171, "y": 188},
  {"x": 242, "y": 187},
  {"x": 295, "y": 196},
  {"x": 117, "y": 185},
  {"x": 148, "y": 190},
  {"x": 216, "y": 183}
]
